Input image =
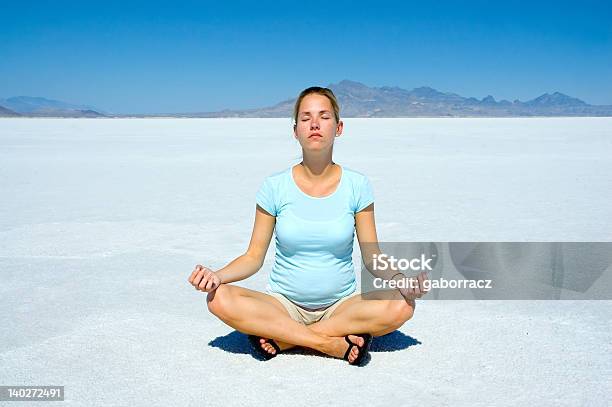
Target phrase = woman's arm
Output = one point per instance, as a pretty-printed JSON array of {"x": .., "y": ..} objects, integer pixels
[
  {"x": 365, "y": 226},
  {"x": 251, "y": 261}
]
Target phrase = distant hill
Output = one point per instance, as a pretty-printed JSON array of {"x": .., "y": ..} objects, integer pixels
[
  {"x": 356, "y": 100},
  {"x": 42, "y": 107},
  {"x": 4, "y": 112},
  {"x": 359, "y": 100}
]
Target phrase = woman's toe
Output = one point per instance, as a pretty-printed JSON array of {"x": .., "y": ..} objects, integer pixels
[{"x": 354, "y": 353}]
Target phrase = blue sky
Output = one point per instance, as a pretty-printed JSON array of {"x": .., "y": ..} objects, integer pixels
[{"x": 152, "y": 56}]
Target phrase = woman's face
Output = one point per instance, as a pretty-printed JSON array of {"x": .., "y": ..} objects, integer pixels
[{"x": 316, "y": 125}]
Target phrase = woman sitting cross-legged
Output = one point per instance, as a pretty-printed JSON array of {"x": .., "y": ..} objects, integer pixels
[{"x": 315, "y": 208}]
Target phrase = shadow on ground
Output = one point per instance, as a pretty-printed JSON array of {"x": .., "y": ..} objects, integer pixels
[{"x": 237, "y": 342}]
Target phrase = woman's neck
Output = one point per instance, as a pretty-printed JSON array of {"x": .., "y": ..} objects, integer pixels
[{"x": 317, "y": 167}]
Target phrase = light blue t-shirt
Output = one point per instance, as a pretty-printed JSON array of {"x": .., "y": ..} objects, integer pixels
[{"x": 313, "y": 266}]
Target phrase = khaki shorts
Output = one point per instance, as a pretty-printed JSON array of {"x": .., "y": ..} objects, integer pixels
[{"x": 305, "y": 316}]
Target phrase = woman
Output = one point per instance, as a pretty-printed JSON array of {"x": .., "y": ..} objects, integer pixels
[{"x": 316, "y": 207}]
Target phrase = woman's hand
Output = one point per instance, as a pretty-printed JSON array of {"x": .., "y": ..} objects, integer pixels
[
  {"x": 416, "y": 288},
  {"x": 204, "y": 279}
]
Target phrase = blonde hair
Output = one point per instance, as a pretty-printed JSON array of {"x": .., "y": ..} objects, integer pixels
[{"x": 319, "y": 91}]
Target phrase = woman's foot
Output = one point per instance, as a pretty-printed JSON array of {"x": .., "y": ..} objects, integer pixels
[
  {"x": 267, "y": 346},
  {"x": 339, "y": 347}
]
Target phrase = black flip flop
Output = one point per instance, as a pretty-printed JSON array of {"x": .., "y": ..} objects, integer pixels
[
  {"x": 256, "y": 345},
  {"x": 363, "y": 350}
]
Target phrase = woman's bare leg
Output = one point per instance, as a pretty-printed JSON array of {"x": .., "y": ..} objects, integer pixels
[
  {"x": 377, "y": 313},
  {"x": 256, "y": 313}
]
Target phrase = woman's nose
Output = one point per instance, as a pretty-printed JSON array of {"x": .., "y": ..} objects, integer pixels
[{"x": 314, "y": 124}]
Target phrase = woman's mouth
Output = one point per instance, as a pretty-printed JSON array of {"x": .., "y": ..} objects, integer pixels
[{"x": 315, "y": 135}]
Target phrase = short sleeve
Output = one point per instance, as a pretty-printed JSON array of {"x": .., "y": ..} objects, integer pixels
[
  {"x": 265, "y": 197},
  {"x": 365, "y": 196}
]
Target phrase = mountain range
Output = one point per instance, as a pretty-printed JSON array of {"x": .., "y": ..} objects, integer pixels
[
  {"x": 356, "y": 100},
  {"x": 41, "y": 107}
]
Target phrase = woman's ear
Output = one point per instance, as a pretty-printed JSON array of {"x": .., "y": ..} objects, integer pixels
[{"x": 339, "y": 128}]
